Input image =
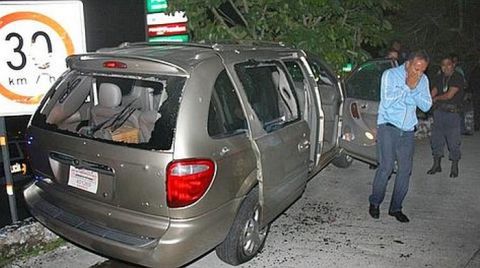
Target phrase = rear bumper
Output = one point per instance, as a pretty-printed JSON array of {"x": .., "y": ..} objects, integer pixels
[{"x": 183, "y": 241}]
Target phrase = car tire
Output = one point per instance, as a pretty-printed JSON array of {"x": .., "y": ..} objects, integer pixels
[
  {"x": 245, "y": 239},
  {"x": 343, "y": 160}
]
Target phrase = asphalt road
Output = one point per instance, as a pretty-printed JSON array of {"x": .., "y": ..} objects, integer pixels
[{"x": 330, "y": 226}]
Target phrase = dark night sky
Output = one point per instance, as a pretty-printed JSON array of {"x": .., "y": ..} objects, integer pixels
[{"x": 112, "y": 22}]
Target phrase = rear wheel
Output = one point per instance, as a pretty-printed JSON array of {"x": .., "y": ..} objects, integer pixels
[
  {"x": 343, "y": 160},
  {"x": 245, "y": 238}
]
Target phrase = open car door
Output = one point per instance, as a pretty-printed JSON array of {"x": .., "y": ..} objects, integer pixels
[
  {"x": 360, "y": 109},
  {"x": 279, "y": 134}
]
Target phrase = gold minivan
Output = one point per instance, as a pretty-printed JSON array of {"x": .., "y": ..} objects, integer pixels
[{"x": 158, "y": 153}]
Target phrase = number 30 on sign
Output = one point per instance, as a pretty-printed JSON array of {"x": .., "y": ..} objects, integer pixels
[{"x": 35, "y": 39}]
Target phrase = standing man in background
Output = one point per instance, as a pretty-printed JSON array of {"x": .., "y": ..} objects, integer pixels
[
  {"x": 447, "y": 94},
  {"x": 466, "y": 96},
  {"x": 403, "y": 89},
  {"x": 456, "y": 64},
  {"x": 474, "y": 85},
  {"x": 401, "y": 51},
  {"x": 392, "y": 54}
]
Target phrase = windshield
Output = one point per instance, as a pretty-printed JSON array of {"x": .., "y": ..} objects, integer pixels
[{"x": 135, "y": 111}]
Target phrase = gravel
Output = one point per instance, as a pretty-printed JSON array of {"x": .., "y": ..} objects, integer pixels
[{"x": 23, "y": 237}]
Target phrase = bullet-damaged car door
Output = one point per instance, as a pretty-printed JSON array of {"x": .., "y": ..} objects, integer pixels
[{"x": 280, "y": 136}]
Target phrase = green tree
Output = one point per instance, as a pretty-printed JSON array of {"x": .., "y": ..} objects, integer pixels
[
  {"x": 440, "y": 26},
  {"x": 334, "y": 29}
]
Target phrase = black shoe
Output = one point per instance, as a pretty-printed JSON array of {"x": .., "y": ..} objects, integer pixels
[
  {"x": 399, "y": 216},
  {"x": 374, "y": 211}
]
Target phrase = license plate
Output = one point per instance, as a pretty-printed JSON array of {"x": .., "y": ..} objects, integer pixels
[{"x": 84, "y": 179}]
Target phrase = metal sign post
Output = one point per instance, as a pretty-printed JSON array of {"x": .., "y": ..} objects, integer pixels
[
  {"x": 35, "y": 39},
  {"x": 6, "y": 169}
]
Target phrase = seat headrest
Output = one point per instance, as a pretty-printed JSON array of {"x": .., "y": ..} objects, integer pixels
[
  {"x": 141, "y": 98},
  {"x": 109, "y": 95}
]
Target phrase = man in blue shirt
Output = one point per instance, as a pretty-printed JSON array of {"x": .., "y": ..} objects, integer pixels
[{"x": 403, "y": 89}]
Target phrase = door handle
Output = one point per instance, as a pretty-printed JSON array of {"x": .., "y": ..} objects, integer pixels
[{"x": 303, "y": 145}]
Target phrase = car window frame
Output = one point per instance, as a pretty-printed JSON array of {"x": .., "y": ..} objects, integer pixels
[
  {"x": 277, "y": 123},
  {"x": 355, "y": 74},
  {"x": 214, "y": 101}
]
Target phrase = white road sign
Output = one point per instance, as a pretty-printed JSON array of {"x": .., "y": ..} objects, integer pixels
[
  {"x": 35, "y": 39},
  {"x": 164, "y": 18}
]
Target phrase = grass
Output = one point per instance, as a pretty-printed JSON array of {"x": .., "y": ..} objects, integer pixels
[{"x": 32, "y": 251}]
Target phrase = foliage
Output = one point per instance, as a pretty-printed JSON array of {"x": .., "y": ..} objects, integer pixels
[
  {"x": 440, "y": 26},
  {"x": 28, "y": 251},
  {"x": 334, "y": 29}
]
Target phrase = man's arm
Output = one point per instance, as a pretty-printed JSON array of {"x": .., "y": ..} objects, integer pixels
[
  {"x": 448, "y": 95},
  {"x": 390, "y": 89},
  {"x": 455, "y": 85},
  {"x": 434, "y": 92}
]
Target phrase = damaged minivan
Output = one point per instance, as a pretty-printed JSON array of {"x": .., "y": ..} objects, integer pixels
[{"x": 156, "y": 154}]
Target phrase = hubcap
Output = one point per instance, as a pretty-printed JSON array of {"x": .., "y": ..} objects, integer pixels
[{"x": 253, "y": 237}]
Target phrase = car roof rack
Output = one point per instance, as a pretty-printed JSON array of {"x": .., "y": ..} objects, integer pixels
[
  {"x": 216, "y": 45},
  {"x": 153, "y": 44},
  {"x": 250, "y": 42}
]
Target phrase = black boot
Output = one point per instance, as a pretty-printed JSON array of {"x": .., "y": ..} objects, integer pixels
[
  {"x": 454, "y": 169},
  {"x": 436, "y": 166}
]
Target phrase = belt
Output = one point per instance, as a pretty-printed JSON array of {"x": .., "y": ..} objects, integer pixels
[{"x": 392, "y": 125}]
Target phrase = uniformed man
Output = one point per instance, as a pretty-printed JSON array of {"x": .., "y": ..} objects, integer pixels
[{"x": 447, "y": 95}]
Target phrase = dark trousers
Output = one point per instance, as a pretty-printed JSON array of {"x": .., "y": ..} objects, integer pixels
[
  {"x": 446, "y": 130},
  {"x": 393, "y": 145}
]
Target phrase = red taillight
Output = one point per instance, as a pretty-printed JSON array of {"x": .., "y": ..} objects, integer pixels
[
  {"x": 114, "y": 65},
  {"x": 188, "y": 180}
]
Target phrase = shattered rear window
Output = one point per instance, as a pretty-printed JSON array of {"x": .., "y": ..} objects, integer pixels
[{"x": 135, "y": 111}]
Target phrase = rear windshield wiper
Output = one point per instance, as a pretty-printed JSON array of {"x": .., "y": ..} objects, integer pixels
[{"x": 122, "y": 116}]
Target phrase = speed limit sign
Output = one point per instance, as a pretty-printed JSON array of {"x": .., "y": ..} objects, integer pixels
[{"x": 35, "y": 39}]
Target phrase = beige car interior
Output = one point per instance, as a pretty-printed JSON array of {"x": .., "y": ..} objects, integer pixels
[{"x": 126, "y": 118}]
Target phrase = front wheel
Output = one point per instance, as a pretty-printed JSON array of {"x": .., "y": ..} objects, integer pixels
[{"x": 245, "y": 238}]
